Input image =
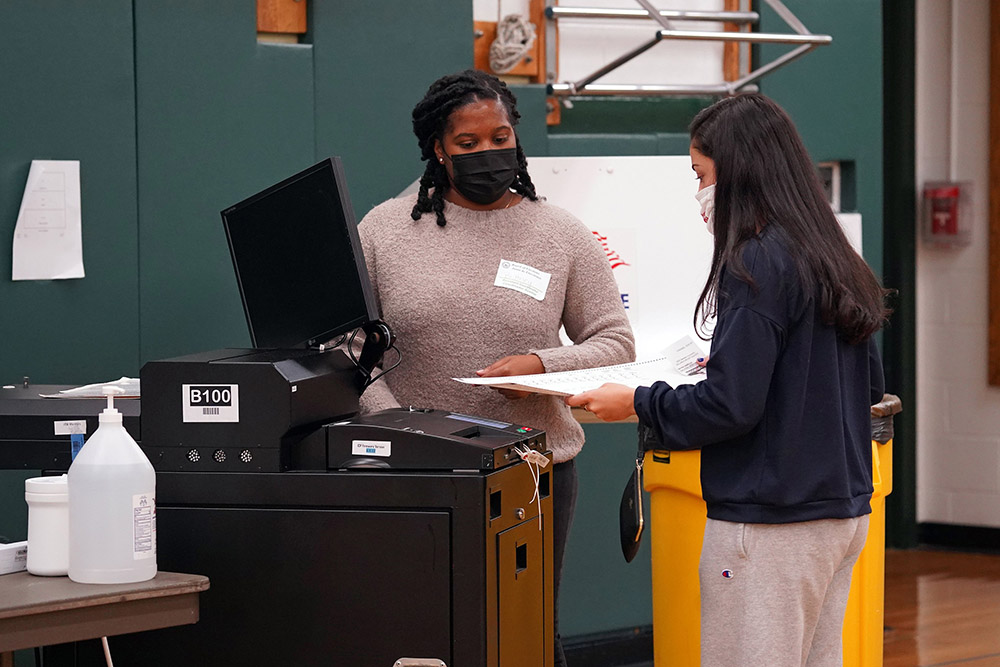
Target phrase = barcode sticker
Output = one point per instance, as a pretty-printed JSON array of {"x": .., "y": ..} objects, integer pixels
[{"x": 210, "y": 403}]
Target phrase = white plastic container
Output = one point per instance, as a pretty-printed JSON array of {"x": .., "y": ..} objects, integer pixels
[
  {"x": 112, "y": 507},
  {"x": 48, "y": 525}
]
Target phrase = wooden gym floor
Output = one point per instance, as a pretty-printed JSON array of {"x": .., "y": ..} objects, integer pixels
[{"x": 941, "y": 608}]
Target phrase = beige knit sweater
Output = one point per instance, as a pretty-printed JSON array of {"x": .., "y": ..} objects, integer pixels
[{"x": 435, "y": 287}]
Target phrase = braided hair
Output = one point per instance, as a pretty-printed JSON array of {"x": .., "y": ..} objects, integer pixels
[{"x": 430, "y": 118}]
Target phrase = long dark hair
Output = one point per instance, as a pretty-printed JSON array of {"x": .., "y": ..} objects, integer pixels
[
  {"x": 765, "y": 179},
  {"x": 430, "y": 118}
]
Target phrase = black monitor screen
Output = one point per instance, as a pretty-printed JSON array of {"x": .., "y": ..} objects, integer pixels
[{"x": 298, "y": 260}]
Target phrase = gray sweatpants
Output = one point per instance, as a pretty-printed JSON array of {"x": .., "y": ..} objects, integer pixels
[{"x": 774, "y": 594}]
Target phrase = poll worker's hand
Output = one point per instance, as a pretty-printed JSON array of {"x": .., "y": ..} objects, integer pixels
[
  {"x": 702, "y": 361},
  {"x": 610, "y": 402},
  {"x": 518, "y": 364}
]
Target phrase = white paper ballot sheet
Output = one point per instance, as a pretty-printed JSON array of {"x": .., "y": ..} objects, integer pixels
[
  {"x": 47, "y": 237},
  {"x": 676, "y": 368}
]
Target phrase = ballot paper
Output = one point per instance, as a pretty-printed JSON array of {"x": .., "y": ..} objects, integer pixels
[
  {"x": 47, "y": 237},
  {"x": 678, "y": 366}
]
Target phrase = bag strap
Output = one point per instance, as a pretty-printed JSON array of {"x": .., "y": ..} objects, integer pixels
[{"x": 647, "y": 441}]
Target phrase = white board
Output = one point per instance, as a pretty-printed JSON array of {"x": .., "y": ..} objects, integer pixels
[{"x": 645, "y": 208}]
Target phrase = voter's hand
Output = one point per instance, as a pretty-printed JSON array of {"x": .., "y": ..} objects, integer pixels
[{"x": 610, "y": 402}]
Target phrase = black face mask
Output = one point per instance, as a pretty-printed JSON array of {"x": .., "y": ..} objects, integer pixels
[{"x": 483, "y": 177}]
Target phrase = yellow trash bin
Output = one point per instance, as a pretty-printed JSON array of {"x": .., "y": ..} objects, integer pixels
[
  {"x": 677, "y": 527},
  {"x": 863, "y": 620}
]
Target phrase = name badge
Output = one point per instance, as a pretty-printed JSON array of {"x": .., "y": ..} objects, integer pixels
[{"x": 522, "y": 278}]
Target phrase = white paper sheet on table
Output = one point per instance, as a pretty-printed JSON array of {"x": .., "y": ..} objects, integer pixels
[
  {"x": 676, "y": 368},
  {"x": 47, "y": 238},
  {"x": 129, "y": 387}
]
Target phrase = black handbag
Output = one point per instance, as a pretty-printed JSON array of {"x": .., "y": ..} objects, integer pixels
[
  {"x": 630, "y": 517},
  {"x": 631, "y": 520}
]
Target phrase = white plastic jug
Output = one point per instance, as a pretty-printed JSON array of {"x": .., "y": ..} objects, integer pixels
[
  {"x": 112, "y": 506},
  {"x": 48, "y": 525}
]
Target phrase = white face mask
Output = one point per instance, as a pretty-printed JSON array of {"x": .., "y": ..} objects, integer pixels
[{"x": 706, "y": 197}]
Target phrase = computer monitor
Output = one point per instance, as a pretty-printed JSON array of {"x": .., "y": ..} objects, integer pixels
[{"x": 298, "y": 260}]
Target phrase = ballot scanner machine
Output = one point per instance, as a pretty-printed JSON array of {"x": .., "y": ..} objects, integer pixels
[
  {"x": 296, "y": 410},
  {"x": 405, "y": 537}
]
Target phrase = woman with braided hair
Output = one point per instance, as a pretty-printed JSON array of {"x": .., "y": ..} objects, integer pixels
[
  {"x": 476, "y": 274},
  {"x": 509, "y": 177}
]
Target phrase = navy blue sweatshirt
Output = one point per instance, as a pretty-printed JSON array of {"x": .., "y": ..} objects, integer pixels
[{"x": 783, "y": 416}]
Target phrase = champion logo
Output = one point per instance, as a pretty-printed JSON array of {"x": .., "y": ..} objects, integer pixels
[
  {"x": 613, "y": 256},
  {"x": 727, "y": 574}
]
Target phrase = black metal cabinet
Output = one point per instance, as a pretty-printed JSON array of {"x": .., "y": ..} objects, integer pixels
[{"x": 357, "y": 568}]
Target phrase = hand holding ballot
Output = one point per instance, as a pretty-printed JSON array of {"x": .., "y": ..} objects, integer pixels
[
  {"x": 612, "y": 402},
  {"x": 679, "y": 366}
]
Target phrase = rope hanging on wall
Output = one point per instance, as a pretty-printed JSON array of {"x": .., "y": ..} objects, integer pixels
[{"x": 515, "y": 37}]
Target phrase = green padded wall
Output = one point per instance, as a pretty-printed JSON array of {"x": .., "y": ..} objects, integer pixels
[
  {"x": 220, "y": 117},
  {"x": 900, "y": 255},
  {"x": 600, "y": 591},
  {"x": 532, "y": 132},
  {"x": 66, "y": 93},
  {"x": 834, "y": 95},
  {"x": 374, "y": 61}
]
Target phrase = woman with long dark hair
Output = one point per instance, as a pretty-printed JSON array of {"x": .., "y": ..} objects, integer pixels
[
  {"x": 783, "y": 415},
  {"x": 476, "y": 273}
]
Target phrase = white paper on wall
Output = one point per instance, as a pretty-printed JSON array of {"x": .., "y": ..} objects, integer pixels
[{"x": 47, "y": 238}]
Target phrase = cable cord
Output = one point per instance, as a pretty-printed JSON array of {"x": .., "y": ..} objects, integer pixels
[
  {"x": 333, "y": 343},
  {"x": 399, "y": 358},
  {"x": 369, "y": 378},
  {"x": 515, "y": 37},
  {"x": 535, "y": 468},
  {"x": 350, "y": 348},
  {"x": 107, "y": 651}
]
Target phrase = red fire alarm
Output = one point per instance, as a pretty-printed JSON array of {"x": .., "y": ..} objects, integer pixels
[{"x": 945, "y": 219}]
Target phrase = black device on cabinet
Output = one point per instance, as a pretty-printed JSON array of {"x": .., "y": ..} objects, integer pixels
[{"x": 297, "y": 255}]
